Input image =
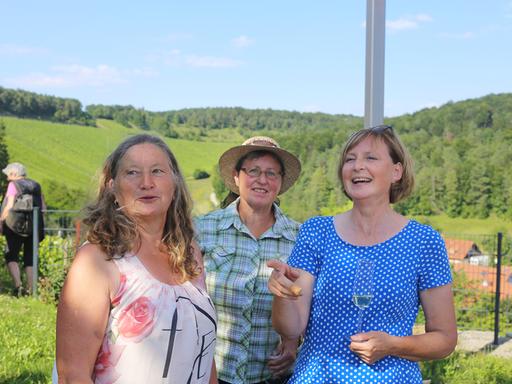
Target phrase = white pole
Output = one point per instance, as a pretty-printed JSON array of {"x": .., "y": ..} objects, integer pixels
[{"x": 374, "y": 81}]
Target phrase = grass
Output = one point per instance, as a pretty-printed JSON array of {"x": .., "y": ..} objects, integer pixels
[
  {"x": 467, "y": 226},
  {"x": 27, "y": 350},
  {"x": 201, "y": 191},
  {"x": 74, "y": 154},
  {"x": 27, "y": 341}
]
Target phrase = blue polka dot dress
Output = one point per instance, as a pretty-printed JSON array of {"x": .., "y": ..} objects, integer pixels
[{"x": 413, "y": 260}]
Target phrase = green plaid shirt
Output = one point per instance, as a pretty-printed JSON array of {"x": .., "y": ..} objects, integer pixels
[{"x": 237, "y": 276}]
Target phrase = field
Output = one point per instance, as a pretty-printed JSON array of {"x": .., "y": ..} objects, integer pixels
[
  {"x": 74, "y": 154},
  {"x": 468, "y": 226}
]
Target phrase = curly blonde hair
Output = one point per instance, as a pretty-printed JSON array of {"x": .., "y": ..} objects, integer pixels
[{"x": 116, "y": 232}]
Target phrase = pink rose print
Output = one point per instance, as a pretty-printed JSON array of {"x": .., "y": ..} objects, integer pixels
[
  {"x": 120, "y": 292},
  {"x": 104, "y": 368},
  {"x": 136, "y": 321}
]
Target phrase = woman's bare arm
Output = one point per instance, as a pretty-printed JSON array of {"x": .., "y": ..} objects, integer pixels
[
  {"x": 83, "y": 314},
  {"x": 293, "y": 291}
]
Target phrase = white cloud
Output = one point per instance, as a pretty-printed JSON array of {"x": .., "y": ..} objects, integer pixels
[
  {"x": 66, "y": 76},
  {"x": 16, "y": 50},
  {"x": 212, "y": 62},
  {"x": 401, "y": 24},
  {"x": 242, "y": 41},
  {"x": 462, "y": 35},
  {"x": 408, "y": 22},
  {"x": 177, "y": 58},
  {"x": 423, "y": 17}
]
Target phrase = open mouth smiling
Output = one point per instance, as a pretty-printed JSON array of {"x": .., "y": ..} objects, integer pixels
[{"x": 359, "y": 180}]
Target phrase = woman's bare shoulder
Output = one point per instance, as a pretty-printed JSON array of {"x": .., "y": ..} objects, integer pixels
[{"x": 91, "y": 258}]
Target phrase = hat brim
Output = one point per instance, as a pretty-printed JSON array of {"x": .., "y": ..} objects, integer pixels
[{"x": 230, "y": 158}]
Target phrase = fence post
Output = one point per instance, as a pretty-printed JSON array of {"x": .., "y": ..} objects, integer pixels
[
  {"x": 498, "y": 292},
  {"x": 35, "y": 250}
]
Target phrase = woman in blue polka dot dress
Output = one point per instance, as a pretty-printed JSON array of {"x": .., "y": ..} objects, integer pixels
[{"x": 410, "y": 268}]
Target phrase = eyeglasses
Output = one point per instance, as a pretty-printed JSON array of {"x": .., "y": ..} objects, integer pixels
[
  {"x": 256, "y": 172},
  {"x": 381, "y": 128}
]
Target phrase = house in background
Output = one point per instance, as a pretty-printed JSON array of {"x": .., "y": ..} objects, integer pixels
[
  {"x": 484, "y": 278},
  {"x": 466, "y": 258},
  {"x": 465, "y": 251}
]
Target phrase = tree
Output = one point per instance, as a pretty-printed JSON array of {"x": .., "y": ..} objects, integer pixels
[
  {"x": 220, "y": 189},
  {"x": 4, "y": 157}
]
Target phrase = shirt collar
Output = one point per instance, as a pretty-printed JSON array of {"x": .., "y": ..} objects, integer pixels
[{"x": 281, "y": 228}]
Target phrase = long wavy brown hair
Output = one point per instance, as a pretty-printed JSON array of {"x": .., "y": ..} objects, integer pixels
[{"x": 116, "y": 232}]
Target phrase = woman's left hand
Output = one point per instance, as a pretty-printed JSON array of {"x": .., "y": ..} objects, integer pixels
[
  {"x": 281, "y": 361},
  {"x": 371, "y": 346}
]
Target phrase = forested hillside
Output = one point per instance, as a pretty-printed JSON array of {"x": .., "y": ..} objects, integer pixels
[
  {"x": 462, "y": 150},
  {"x": 29, "y": 104},
  {"x": 462, "y": 153}
]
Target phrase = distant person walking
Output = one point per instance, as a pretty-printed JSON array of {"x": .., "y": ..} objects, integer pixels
[{"x": 18, "y": 185}]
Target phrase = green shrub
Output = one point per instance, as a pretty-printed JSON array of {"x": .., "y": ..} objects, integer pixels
[
  {"x": 55, "y": 256},
  {"x": 480, "y": 369},
  {"x": 462, "y": 368},
  {"x": 200, "y": 174}
]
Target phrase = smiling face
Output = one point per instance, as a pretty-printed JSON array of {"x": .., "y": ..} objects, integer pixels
[
  {"x": 368, "y": 170},
  {"x": 259, "y": 192},
  {"x": 144, "y": 184}
]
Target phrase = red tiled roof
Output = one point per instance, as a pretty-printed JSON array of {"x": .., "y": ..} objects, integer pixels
[
  {"x": 484, "y": 278},
  {"x": 458, "y": 248}
]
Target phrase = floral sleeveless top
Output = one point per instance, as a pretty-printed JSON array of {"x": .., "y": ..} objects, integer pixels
[{"x": 156, "y": 333}]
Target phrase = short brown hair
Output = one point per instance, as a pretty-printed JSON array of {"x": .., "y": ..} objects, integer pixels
[{"x": 397, "y": 151}]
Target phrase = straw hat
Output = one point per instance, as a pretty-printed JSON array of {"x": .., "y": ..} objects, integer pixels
[{"x": 230, "y": 158}]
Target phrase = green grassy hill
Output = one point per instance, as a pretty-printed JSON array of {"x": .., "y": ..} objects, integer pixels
[{"x": 73, "y": 155}]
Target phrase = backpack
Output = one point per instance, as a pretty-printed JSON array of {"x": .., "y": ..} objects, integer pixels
[{"x": 20, "y": 217}]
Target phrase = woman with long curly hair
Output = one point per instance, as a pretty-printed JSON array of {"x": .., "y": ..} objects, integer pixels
[{"x": 134, "y": 308}]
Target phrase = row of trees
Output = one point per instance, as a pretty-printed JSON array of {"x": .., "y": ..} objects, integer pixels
[
  {"x": 462, "y": 151},
  {"x": 205, "y": 119},
  {"x": 32, "y": 105}
]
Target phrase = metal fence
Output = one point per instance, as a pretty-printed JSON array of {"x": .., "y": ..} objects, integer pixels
[
  {"x": 54, "y": 254},
  {"x": 482, "y": 271},
  {"x": 481, "y": 266}
]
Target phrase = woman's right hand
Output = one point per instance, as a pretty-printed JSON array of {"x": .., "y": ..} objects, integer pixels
[{"x": 281, "y": 282}]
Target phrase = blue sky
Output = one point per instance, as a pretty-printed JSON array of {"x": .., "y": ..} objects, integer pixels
[{"x": 293, "y": 55}]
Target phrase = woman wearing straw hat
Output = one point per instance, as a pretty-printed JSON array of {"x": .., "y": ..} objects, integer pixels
[{"x": 236, "y": 242}]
